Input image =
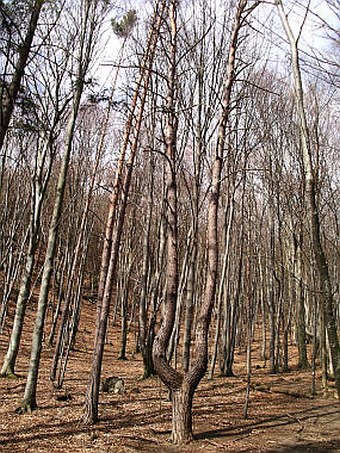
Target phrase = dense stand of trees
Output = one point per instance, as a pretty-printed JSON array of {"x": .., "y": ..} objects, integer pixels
[{"x": 194, "y": 198}]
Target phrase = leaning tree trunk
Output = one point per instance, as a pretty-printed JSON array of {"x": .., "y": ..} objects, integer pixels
[
  {"x": 9, "y": 96},
  {"x": 311, "y": 205},
  {"x": 112, "y": 242},
  {"x": 78, "y": 250},
  {"x": 29, "y": 401},
  {"x": 39, "y": 185},
  {"x": 8, "y": 366}
]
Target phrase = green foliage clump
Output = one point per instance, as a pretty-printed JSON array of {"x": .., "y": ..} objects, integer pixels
[{"x": 122, "y": 28}]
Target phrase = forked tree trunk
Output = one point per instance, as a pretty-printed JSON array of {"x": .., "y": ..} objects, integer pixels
[{"x": 184, "y": 387}]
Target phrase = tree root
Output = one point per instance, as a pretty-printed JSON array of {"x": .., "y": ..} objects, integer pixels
[
  {"x": 26, "y": 408},
  {"x": 9, "y": 375}
]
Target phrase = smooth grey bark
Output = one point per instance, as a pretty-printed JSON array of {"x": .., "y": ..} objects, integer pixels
[
  {"x": 222, "y": 286},
  {"x": 40, "y": 178},
  {"x": 58, "y": 284},
  {"x": 8, "y": 367},
  {"x": 8, "y": 99},
  {"x": 12, "y": 226},
  {"x": 310, "y": 198},
  {"x": 301, "y": 311},
  {"x": 147, "y": 307},
  {"x": 79, "y": 250},
  {"x": 233, "y": 304},
  {"x": 29, "y": 402},
  {"x": 72, "y": 326}
]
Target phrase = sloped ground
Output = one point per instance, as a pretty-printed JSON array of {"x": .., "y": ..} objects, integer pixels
[{"x": 282, "y": 415}]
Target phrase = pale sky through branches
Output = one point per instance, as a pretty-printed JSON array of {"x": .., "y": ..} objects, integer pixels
[{"x": 315, "y": 43}]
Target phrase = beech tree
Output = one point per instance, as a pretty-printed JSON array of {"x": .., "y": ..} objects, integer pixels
[
  {"x": 91, "y": 17},
  {"x": 194, "y": 200},
  {"x": 310, "y": 197},
  {"x": 40, "y": 173}
]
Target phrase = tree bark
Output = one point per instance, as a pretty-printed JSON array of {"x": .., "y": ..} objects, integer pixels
[
  {"x": 182, "y": 414},
  {"x": 29, "y": 402},
  {"x": 39, "y": 184},
  {"x": 112, "y": 242},
  {"x": 184, "y": 387},
  {"x": 301, "y": 323},
  {"x": 8, "y": 367},
  {"x": 311, "y": 205},
  {"x": 11, "y": 93}
]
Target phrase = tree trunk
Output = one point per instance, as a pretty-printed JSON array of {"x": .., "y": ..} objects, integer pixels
[
  {"x": 8, "y": 99},
  {"x": 183, "y": 387},
  {"x": 311, "y": 205},
  {"x": 78, "y": 250},
  {"x": 29, "y": 402},
  {"x": 189, "y": 310},
  {"x": 112, "y": 241},
  {"x": 146, "y": 349},
  {"x": 39, "y": 184},
  {"x": 59, "y": 284},
  {"x": 182, "y": 414},
  {"x": 222, "y": 285},
  {"x": 8, "y": 367},
  {"x": 301, "y": 323}
]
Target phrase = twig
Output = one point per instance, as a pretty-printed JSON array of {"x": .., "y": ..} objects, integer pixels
[{"x": 296, "y": 420}]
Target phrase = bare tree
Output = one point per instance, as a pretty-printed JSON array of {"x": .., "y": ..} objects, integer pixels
[
  {"x": 91, "y": 17},
  {"x": 40, "y": 175},
  {"x": 113, "y": 235},
  {"x": 183, "y": 386},
  {"x": 310, "y": 195}
]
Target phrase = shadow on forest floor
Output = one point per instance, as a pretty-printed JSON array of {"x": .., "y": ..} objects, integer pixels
[
  {"x": 312, "y": 447},
  {"x": 277, "y": 421}
]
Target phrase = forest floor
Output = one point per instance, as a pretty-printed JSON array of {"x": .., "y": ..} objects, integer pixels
[{"x": 283, "y": 417}]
